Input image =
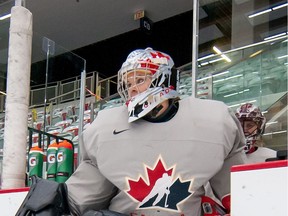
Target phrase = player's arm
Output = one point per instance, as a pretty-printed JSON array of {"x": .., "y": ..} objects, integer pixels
[
  {"x": 235, "y": 142},
  {"x": 88, "y": 189}
]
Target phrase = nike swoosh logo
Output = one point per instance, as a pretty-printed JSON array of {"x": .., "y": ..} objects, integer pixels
[{"x": 118, "y": 132}]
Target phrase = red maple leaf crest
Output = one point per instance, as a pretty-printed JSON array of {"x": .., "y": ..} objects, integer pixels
[
  {"x": 139, "y": 189},
  {"x": 147, "y": 64},
  {"x": 160, "y": 55}
]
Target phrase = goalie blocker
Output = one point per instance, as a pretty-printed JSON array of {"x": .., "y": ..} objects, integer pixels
[{"x": 49, "y": 198}]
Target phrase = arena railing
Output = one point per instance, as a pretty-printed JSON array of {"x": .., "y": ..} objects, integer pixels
[
  {"x": 256, "y": 73},
  {"x": 44, "y": 138}
]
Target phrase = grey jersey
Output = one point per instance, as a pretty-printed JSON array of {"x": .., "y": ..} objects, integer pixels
[
  {"x": 145, "y": 168},
  {"x": 260, "y": 155}
]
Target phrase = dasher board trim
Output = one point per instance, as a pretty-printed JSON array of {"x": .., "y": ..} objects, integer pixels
[
  {"x": 257, "y": 166},
  {"x": 14, "y": 190}
]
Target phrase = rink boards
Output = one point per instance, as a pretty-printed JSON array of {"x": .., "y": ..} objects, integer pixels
[
  {"x": 256, "y": 189},
  {"x": 11, "y": 199},
  {"x": 260, "y": 189}
]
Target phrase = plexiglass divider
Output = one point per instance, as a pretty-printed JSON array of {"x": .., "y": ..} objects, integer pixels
[{"x": 255, "y": 74}]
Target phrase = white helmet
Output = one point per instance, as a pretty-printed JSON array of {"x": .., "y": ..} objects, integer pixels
[
  {"x": 157, "y": 73},
  {"x": 250, "y": 112}
]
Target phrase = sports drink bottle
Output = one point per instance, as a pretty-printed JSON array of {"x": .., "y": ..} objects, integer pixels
[
  {"x": 35, "y": 162},
  {"x": 64, "y": 161},
  {"x": 51, "y": 161}
]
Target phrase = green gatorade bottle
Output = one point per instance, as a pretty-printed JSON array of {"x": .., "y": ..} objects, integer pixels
[
  {"x": 51, "y": 161},
  {"x": 64, "y": 161},
  {"x": 35, "y": 162}
]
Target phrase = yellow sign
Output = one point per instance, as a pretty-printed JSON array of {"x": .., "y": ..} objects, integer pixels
[
  {"x": 139, "y": 14},
  {"x": 34, "y": 115},
  {"x": 98, "y": 93}
]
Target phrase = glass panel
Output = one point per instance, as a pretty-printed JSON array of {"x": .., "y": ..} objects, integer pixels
[
  {"x": 259, "y": 78},
  {"x": 244, "y": 59},
  {"x": 54, "y": 61}
]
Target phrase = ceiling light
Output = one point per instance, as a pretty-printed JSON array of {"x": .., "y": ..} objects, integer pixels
[
  {"x": 269, "y": 123},
  {"x": 280, "y": 57},
  {"x": 216, "y": 75},
  {"x": 222, "y": 73},
  {"x": 256, "y": 53},
  {"x": 220, "y": 80},
  {"x": 215, "y": 60},
  {"x": 204, "y": 63},
  {"x": 245, "y": 90},
  {"x": 226, "y": 58},
  {"x": 276, "y": 132},
  {"x": 236, "y": 93},
  {"x": 205, "y": 57},
  {"x": 229, "y": 95},
  {"x": 275, "y": 36},
  {"x": 228, "y": 78},
  {"x": 268, "y": 10},
  {"x": 232, "y": 77},
  {"x": 218, "y": 51},
  {"x": 5, "y": 16},
  {"x": 204, "y": 78},
  {"x": 260, "y": 13},
  {"x": 280, "y": 6}
]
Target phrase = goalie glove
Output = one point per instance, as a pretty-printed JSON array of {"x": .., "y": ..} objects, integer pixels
[
  {"x": 45, "y": 198},
  {"x": 212, "y": 208}
]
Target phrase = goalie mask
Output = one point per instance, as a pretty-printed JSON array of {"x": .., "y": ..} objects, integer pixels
[
  {"x": 146, "y": 79},
  {"x": 253, "y": 124}
]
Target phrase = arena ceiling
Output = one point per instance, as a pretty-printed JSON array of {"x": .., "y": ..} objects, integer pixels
[
  {"x": 77, "y": 23},
  {"x": 74, "y": 24}
]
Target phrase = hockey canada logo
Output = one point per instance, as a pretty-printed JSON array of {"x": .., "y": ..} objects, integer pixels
[{"x": 159, "y": 189}]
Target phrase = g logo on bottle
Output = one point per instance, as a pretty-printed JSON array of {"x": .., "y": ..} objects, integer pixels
[
  {"x": 32, "y": 161},
  {"x": 51, "y": 158},
  {"x": 60, "y": 157}
]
